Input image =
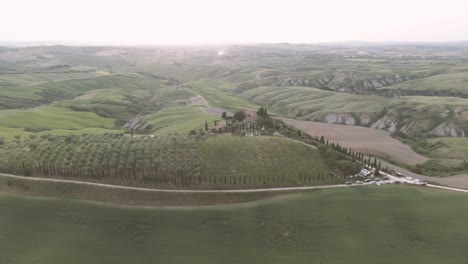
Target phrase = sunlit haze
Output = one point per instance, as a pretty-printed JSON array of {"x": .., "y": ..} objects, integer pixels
[{"x": 242, "y": 21}]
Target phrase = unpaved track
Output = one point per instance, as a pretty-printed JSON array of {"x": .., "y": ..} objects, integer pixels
[
  {"x": 300, "y": 142},
  {"x": 377, "y": 142},
  {"x": 364, "y": 139},
  {"x": 175, "y": 191},
  {"x": 211, "y": 110},
  {"x": 303, "y": 188},
  {"x": 458, "y": 181}
]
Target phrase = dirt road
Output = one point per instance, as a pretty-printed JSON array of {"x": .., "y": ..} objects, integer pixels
[
  {"x": 175, "y": 191},
  {"x": 393, "y": 178},
  {"x": 458, "y": 181}
]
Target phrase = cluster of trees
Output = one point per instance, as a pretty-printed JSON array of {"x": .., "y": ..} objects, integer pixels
[
  {"x": 171, "y": 160},
  {"x": 322, "y": 177},
  {"x": 347, "y": 161},
  {"x": 240, "y": 115},
  {"x": 263, "y": 112}
]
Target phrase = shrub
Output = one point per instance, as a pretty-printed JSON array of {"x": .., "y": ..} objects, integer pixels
[{"x": 239, "y": 116}]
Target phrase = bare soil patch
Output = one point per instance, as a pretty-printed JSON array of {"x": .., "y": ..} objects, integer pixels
[
  {"x": 460, "y": 181},
  {"x": 367, "y": 140}
]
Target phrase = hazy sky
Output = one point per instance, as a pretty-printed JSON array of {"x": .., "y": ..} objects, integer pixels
[{"x": 221, "y": 21}]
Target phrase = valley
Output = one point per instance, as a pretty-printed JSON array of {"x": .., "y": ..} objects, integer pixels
[{"x": 263, "y": 146}]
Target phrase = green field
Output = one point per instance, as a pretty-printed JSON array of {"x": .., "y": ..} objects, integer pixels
[
  {"x": 444, "y": 84},
  {"x": 8, "y": 133},
  {"x": 451, "y": 148},
  {"x": 258, "y": 157},
  {"x": 51, "y": 117},
  {"x": 448, "y": 155},
  {"x": 180, "y": 119},
  {"x": 415, "y": 115},
  {"x": 216, "y": 95},
  {"x": 384, "y": 224},
  {"x": 293, "y": 80},
  {"x": 297, "y": 101}
]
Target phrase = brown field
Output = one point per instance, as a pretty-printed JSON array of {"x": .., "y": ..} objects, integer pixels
[
  {"x": 367, "y": 140},
  {"x": 460, "y": 181}
]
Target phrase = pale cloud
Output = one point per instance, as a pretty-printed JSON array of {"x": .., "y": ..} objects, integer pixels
[{"x": 211, "y": 21}]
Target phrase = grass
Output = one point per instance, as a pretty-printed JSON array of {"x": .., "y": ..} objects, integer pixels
[
  {"x": 257, "y": 157},
  {"x": 417, "y": 114},
  {"x": 451, "y": 148},
  {"x": 437, "y": 100},
  {"x": 384, "y": 224},
  {"x": 216, "y": 96},
  {"x": 123, "y": 196},
  {"x": 31, "y": 79},
  {"x": 180, "y": 119},
  {"x": 10, "y": 133},
  {"x": 51, "y": 117},
  {"x": 450, "y": 82},
  {"x": 303, "y": 100},
  {"x": 448, "y": 155},
  {"x": 27, "y": 92},
  {"x": 297, "y": 100}
]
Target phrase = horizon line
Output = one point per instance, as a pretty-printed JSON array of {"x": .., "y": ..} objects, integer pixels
[{"x": 32, "y": 43}]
